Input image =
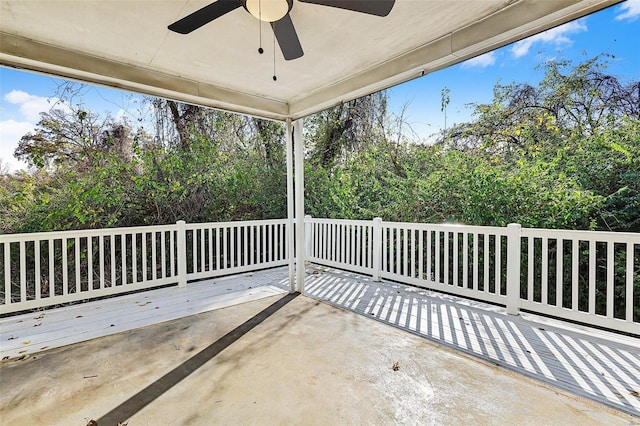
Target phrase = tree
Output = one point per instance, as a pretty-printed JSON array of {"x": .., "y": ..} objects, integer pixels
[
  {"x": 340, "y": 131},
  {"x": 570, "y": 101}
]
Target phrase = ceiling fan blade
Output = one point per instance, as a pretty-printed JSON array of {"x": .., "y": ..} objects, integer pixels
[
  {"x": 287, "y": 38},
  {"x": 203, "y": 16},
  {"x": 371, "y": 7}
]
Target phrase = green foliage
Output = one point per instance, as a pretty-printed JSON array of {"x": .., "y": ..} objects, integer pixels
[{"x": 564, "y": 154}]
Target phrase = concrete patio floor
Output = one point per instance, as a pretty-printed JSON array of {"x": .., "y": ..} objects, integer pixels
[
  {"x": 277, "y": 360},
  {"x": 211, "y": 354}
]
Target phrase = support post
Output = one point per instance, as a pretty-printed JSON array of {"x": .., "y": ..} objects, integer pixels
[
  {"x": 377, "y": 248},
  {"x": 513, "y": 268},
  {"x": 181, "y": 248},
  {"x": 299, "y": 204},
  {"x": 290, "y": 208}
]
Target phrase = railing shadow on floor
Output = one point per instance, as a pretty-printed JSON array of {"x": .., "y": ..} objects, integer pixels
[{"x": 596, "y": 368}]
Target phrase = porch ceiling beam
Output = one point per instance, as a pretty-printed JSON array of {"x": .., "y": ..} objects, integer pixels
[{"x": 20, "y": 52}]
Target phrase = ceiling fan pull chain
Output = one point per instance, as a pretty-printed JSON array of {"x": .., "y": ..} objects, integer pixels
[
  {"x": 274, "y": 57},
  {"x": 260, "y": 49}
]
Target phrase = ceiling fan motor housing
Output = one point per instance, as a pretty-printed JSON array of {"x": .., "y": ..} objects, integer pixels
[{"x": 268, "y": 10}]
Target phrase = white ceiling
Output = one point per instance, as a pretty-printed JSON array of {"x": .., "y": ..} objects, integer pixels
[{"x": 126, "y": 44}]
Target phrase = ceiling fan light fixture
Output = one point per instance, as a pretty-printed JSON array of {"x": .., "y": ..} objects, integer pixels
[{"x": 268, "y": 10}]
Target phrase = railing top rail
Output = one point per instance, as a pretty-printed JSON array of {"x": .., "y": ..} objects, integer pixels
[
  {"x": 83, "y": 233},
  {"x": 341, "y": 221},
  {"x": 604, "y": 236},
  {"x": 12, "y": 238},
  {"x": 494, "y": 230},
  {"x": 235, "y": 223}
]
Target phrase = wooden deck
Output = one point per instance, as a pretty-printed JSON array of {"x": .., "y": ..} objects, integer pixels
[{"x": 598, "y": 365}]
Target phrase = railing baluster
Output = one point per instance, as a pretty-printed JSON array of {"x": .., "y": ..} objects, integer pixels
[
  {"x": 23, "y": 270},
  {"x": 7, "y": 273},
  {"x": 101, "y": 259},
  {"x": 370, "y": 247},
  {"x": 245, "y": 239},
  {"x": 412, "y": 252},
  {"x": 65, "y": 268},
  {"x": 437, "y": 250},
  {"x": 429, "y": 257},
  {"x": 420, "y": 254},
  {"x": 476, "y": 265},
  {"x": 203, "y": 252},
  {"x": 498, "y": 264},
  {"x": 210, "y": 232},
  {"x": 163, "y": 254},
  {"x": 398, "y": 250},
  {"x": 52, "y": 267},
  {"x": 559, "y": 271},
  {"x": 629, "y": 283},
  {"x": 145, "y": 275},
  {"x": 405, "y": 247},
  {"x": 264, "y": 243},
  {"x": 270, "y": 240},
  {"x": 89, "y": 263},
  {"x": 385, "y": 250},
  {"x": 446, "y": 258},
  {"x": 76, "y": 248},
  {"x": 465, "y": 260},
  {"x": 232, "y": 245},
  {"x": 218, "y": 260},
  {"x": 112, "y": 247},
  {"x": 36, "y": 281},
  {"x": 574, "y": 274},
  {"x": 544, "y": 252},
  {"x": 485, "y": 265},
  {"x": 225, "y": 250},
  {"x": 194, "y": 252},
  {"x": 123, "y": 255},
  {"x": 530, "y": 275},
  {"x": 456, "y": 259},
  {"x": 173, "y": 271},
  {"x": 134, "y": 258},
  {"x": 610, "y": 279},
  {"x": 154, "y": 256}
]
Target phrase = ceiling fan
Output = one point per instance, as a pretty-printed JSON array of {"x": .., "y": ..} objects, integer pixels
[{"x": 276, "y": 12}]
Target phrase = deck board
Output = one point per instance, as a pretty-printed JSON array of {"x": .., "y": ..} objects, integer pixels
[{"x": 33, "y": 332}]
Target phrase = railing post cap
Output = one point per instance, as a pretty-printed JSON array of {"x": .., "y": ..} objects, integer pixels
[
  {"x": 514, "y": 225},
  {"x": 308, "y": 216},
  {"x": 181, "y": 222},
  {"x": 377, "y": 219}
]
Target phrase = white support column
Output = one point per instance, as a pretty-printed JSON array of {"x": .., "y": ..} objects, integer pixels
[
  {"x": 299, "y": 204},
  {"x": 290, "y": 207}
]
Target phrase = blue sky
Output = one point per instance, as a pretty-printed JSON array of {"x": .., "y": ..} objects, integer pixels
[{"x": 615, "y": 30}]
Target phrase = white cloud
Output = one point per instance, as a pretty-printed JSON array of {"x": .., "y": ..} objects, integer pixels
[
  {"x": 10, "y": 133},
  {"x": 481, "y": 61},
  {"x": 30, "y": 106},
  {"x": 630, "y": 10},
  {"x": 557, "y": 36}
]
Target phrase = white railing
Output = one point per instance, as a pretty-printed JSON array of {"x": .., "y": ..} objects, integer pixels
[
  {"x": 233, "y": 247},
  {"x": 44, "y": 269},
  {"x": 590, "y": 277},
  {"x": 345, "y": 244},
  {"x": 585, "y": 276}
]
